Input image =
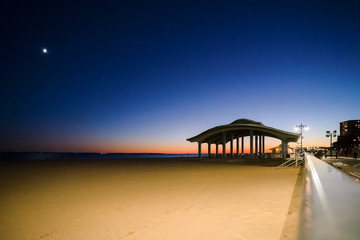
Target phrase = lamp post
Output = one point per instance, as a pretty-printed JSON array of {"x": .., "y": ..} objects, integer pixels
[
  {"x": 301, "y": 127},
  {"x": 330, "y": 134}
]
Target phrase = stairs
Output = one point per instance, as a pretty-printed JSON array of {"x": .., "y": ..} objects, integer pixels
[{"x": 290, "y": 162}]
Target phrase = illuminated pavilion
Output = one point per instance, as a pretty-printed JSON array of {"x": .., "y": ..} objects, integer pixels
[{"x": 239, "y": 129}]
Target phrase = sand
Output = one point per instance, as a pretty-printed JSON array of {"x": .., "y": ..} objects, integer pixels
[{"x": 143, "y": 199}]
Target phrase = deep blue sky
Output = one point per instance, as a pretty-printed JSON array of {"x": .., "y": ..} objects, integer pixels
[{"x": 142, "y": 76}]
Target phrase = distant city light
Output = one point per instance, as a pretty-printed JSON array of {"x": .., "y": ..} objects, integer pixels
[{"x": 44, "y": 50}]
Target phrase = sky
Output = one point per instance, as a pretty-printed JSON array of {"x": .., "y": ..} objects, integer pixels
[{"x": 143, "y": 76}]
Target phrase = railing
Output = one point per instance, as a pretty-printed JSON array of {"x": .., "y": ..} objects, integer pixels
[
  {"x": 296, "y": 161},
  {"x": 331, "y": 203},
  {"x": 291, "y": 163}
]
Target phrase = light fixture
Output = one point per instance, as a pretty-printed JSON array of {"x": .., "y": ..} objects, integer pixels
[
  {"x": 301, "y": 127},
  {"x": 331, "y": 135}
]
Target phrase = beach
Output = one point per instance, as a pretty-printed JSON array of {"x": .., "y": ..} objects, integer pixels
[{"x": 178, "y": 198}]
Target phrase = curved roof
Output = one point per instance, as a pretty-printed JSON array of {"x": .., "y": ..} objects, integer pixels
[
  {"x": 240, "y": 128},
  {"x": 246, "y": 121}
]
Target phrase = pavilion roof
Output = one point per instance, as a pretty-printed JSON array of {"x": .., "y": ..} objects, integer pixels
[{"x": 241, "y": 128}]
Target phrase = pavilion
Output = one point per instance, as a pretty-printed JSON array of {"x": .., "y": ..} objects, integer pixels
[{"x": 239, "y": 129}]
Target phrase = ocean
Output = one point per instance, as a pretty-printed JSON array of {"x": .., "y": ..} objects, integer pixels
[{"x": 56, "y": 156}]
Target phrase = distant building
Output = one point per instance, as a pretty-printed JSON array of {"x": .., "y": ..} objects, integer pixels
[
  {"x": 278, "y": 149},
  {"x": 349, "y": 136}
]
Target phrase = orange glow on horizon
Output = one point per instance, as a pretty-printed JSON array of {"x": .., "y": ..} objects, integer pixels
[{"x": 144, "y": 146}]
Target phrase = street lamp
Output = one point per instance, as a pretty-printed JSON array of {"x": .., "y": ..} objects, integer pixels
[
  {"x": 330, "y": 134},
  {"x": 301, "y": 127},
  {"x": 297, "y": 128}
]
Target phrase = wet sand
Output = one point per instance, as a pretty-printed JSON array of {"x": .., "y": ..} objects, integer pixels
[{"x": 144, "y": 199}]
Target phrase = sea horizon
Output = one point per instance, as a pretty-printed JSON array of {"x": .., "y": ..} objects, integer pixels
[{"x": 18, "y": 155}]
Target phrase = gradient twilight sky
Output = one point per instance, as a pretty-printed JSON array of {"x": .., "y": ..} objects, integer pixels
[{"x": 143, "y": 76}]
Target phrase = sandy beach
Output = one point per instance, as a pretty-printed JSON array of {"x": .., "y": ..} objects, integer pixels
[{"x": 143, "y": 199}]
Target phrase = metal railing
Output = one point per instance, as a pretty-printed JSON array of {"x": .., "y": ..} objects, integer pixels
[
  {"x": 295, "y": 162},
  {"x": 331, "y": 203}
]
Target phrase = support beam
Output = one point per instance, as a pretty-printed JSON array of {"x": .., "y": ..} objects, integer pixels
[
  {"x": 242, "y": 145},
  {"x": 231, "y": 146},
  {"x": 260, "y": 145},
  {"x": 224, "y": 144},
  {"x": 283, "y": 151},
  {"x": 199, "y": 150},
  {"x": 251, "y": 143},
  {"x": 209, "y": 150},
  {"x": 217, "y": 150},
  {"x": 237, "y": 146},
  {"x": 263, "y": 143},
  {"x": 256, "y": 144}
]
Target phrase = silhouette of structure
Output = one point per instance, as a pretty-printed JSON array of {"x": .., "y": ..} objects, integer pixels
[
  {"x": 349, "y": 136},
  {"x": 239, "y": 129}
]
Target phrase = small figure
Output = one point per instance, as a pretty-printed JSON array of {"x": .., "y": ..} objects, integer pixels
[
  {"x": 342, "y": 153},
  {"x": 355, "y": 152}
]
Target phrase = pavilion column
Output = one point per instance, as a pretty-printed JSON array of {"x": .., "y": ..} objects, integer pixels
[
  {"x": 263, "y": 144},
  {"x": 209, "y": 150},
  {"x": 224, "y": 144},
  {"x": 199, "y": 150},
  {"x": 237, "y": 146},
  {"x": 251, "y": 143},
  {"x": 260, "y": 146},
  {"x": 217, "y": 150},
  {"x": 256, "y": 144},
  {"x": 283, "y": 151},
  {"x": 242, "y": 145},
  {"x": 231, "y": 146}
]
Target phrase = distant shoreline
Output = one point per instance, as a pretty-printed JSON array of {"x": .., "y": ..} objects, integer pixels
[{"x": 84, "y": 155}]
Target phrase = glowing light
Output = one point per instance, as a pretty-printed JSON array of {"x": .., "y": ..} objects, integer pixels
[
  {"x": 306, "y": 128},
  {"x": 44, "y": 50},
  {"x": 296, "y": 129}
]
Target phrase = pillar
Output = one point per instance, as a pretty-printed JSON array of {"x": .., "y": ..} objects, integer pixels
[
  {"x": 283, "y": 151},
  {"x": 199, "y": 150},
  {"x": 251, "y": 142},
  {"x": 256, "y": 144},
  {"x": 224, "y": 145},
  {"x": 260, "y": 146},
  {"x": 237, "y": 146},
  {"x": 217, "y": 150},
  {"x": 209, "y": 150},
  {"x": 231, "y": 146},
  {"x": 263, "y": 143},
  {"x": 242, "y": 145}
]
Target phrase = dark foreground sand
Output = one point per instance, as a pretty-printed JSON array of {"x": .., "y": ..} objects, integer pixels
[{"x": 143, "y": 199}]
